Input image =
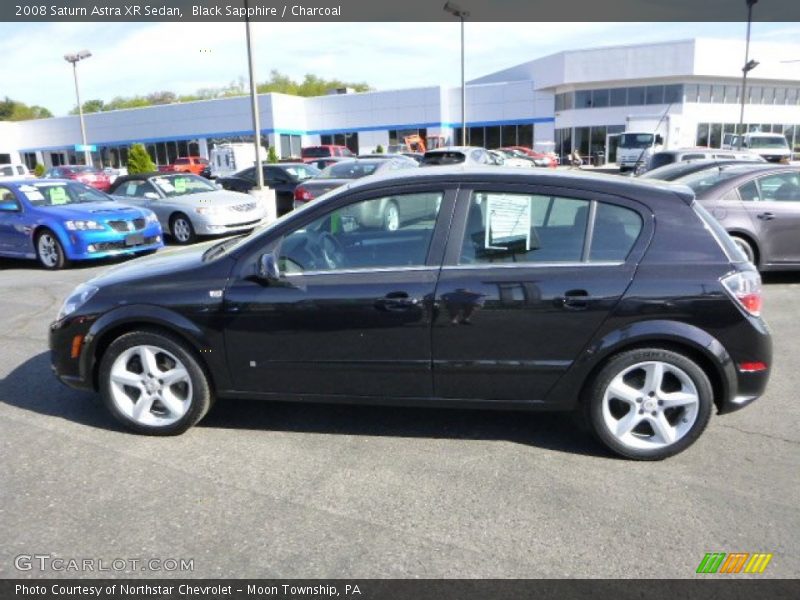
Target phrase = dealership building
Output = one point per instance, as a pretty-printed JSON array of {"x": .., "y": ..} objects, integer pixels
[{"x": 581, "y": 99}]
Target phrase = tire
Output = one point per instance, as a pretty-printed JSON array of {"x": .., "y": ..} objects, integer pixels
[
  {"x": 133, "y": 381},
  {"x": 630, "y": 381},
  {"x": 391, "y": 216},
  {"x": 181, "y": 229},
  {"x": 49, "y": 251},
  {"x": 746, "y": 247}
]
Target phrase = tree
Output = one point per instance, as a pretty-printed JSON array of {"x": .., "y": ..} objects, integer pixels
[
  {"x": 90, "y": 106},
  {"x": 139, "y": 160},
  {"x": 11, "y": 110},
  {"x": 379, "y": 149},
  {"x": 38, "y": 170},
  {"x": 272, "y": 155}
]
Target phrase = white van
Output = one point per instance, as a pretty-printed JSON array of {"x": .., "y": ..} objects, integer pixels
[
  {"x": 771, "y": 146},
  {"x": 227, "y": 159},
  {"x": 14, "y": 171}
]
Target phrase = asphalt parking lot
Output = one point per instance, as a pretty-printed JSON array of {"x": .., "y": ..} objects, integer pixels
[{"x": 282, "y": 490}]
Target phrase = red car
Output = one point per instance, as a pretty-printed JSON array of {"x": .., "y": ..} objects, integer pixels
[
  {"x": 88, "y": 175},
  {"x": 312, "y": 153},
  {"x": 186, "y": 164},
  {"x": 540, "y": 159}
]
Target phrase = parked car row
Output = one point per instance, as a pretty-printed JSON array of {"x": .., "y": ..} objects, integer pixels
[{"x": 757, "y": 204}]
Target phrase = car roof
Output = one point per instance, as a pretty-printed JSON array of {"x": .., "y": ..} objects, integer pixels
[
  {"x": 745, "y": 171},
  {"x": 580, "y": 180},
  {"x": 454, "y": 149}
]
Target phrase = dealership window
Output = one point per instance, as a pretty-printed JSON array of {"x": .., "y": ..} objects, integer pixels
[
  {"x": 654, "y": 94},
  {"x": 525, "y": 135},
  {"x": 600, "y": 98},
  {"x": 583, "y": 99},
  {"x": 673, "y": 93},
  {"x": 618, "y": 97},
  {"x": 690, "y": 92},
  {"x": 732, "y": 94},
  {"x": 715, "y": 135},
  {"x": 563, "y": 142},
  {"x": 290, "y": 145},
  {"x": 492, "y": 137},
  {"x": 756, "y": 92},
  {"x": 476, "y": 137},
  {"x": 598, "y": 143},
  {"x": 792, "y": 96},
  {"x": 636, "y": 96},
  {"x": 702, "y": 135},
  {"x": 183, "y": 148},
  {"x": 29, "y": 158},
  {"x": 768, "y": 96},
  {"x": 704, "y": 93},
  {"x": 581, "y": 141},
  {"x": 508, "y": 135}
]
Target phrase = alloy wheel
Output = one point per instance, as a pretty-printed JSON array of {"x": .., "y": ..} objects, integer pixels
[
  {"x": 48, "y": 252},
  {"x": 182, "y": 230},
  {"x": 650, "y": 405},
  {"x": 150, "y": 386}
]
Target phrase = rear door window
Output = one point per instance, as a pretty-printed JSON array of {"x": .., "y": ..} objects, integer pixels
[{"x": 783, "y": 187}]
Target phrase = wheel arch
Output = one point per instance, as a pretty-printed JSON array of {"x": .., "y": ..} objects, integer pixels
[{"x": 751, "y": 239}]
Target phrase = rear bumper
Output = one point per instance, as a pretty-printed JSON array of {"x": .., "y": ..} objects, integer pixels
[{"x": 747, "y": 386}]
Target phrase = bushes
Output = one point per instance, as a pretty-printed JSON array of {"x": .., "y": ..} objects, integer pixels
[
  {"x": 38, "y": 170},
  {"x": 272, "y": 155},
  {"x": 139, "y": 160}
]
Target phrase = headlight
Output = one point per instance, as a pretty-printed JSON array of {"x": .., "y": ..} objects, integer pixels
[
  {"x": 83, "y": 225},
  {"x": 79, "y": 296},
  {"x": 207, "y": 210},
  {"x": 151, "y": 218}
]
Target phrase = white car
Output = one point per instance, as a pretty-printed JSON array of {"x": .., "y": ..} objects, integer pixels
[
  {"x": 188, "y": 206},
  {"x": 14, "y": 171}
]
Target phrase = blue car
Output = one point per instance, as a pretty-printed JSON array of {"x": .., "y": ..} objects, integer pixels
[{"x": 58, "y": 221}]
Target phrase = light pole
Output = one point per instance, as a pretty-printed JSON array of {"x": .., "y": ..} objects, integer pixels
[
  {"x": 254, "y": 102},
  {"x": 749, "y": 65},
  {"x": 461, "y": 14},
  {"x": 75, "y": 59}
]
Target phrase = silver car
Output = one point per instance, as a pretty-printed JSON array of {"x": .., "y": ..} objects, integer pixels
[{"x": 188, "y": 206}]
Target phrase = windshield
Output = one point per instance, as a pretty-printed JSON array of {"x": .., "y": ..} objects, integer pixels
[
  {"x": 182, "y": 185},
  {"x": 707, "y": 179},
  {"x": 679, "y": 169},
  {"x": 315, "y": 152},
  {"x": 350, "y": 169},
  {"x": 301, "y": 172},
  {"x": 61, "y": 194},
  {"x": 773, "y": 142},
  {"x": 636, "y": 140},
  {"x": 81, "y": 169},
  {"x": 444, "y": 158}
]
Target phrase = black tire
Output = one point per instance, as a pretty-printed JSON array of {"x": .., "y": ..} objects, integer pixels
[
  {"x": 746, "y": 247},
  {"x": 54, "y": 260},
  {"x": 200, "y": 400},
  {"x": 186, "y": 233},
  {"x": 618, "y": 364}
]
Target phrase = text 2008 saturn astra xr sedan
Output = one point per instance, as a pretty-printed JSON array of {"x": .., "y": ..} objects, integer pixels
[{"x": 514, "y": 290}]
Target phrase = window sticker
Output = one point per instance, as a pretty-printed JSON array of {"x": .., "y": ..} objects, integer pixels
[
  {"x": 34, "y": 196},
  {"x": 165, "y": 185},
  {"x": 509, "y": 222},
  {"x": 130, "y": 189},
  {"x": 58, "y": 195},
  {"x": 180, "y": 185},
  {"x": 28, "y": 188}
]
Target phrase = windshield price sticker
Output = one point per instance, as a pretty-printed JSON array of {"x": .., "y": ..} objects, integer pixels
[{"x": 58, "y": 195}]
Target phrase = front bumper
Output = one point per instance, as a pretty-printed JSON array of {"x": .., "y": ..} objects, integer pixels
[
  {"x": 62, "y": 340},
  {"x": 220, "y": 225},
  {"x": 83, "y": 245}
]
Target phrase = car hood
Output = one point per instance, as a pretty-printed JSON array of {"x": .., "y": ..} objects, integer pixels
[
  {"x": 95, "y": 210},
  {"x": 159, "y": 265},
  {"x": 215, "y": 198}
]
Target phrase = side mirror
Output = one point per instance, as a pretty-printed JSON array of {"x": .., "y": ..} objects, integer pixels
[
  {"x": 151, "y": 196},
  {"x": 659, "y": 139},
  {"x": 268, "y": 268}
]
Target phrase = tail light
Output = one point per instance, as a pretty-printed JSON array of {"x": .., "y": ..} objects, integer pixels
[
  {"x": 302, "y": 194},
  {"x": 745, "y": 288}
]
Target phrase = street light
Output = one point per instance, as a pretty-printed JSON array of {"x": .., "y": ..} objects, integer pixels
[
  {"x": 459, "y": 13},
  {"x": 749, "y": 65},
  {"x": 75, "y": 59},
  {"x": 254, "y": 101}
]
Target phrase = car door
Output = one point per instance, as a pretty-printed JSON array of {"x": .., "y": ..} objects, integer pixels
[
  {"x": 14, "y": 233},
  {"x": 773, "y": 203},
  {"x": 351, "y": 312},
  {"x": 142, "y": 193},
  {"x": 530, "y": 274}
]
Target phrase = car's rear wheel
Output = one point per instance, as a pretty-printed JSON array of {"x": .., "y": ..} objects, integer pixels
[
  {"x": 649, "y": 403},
  {"x": 152, "y": 383},
  {"x": 181, "y": 228},
  {"x": 746, "y": 247},
  {"x": 49, "y": 251}
]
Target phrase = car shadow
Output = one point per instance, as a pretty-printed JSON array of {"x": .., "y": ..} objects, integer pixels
[
  {"x": 78, "y": 265},
  {"x": 778, "y": 277},
  {"x": 31, "y": 386}
]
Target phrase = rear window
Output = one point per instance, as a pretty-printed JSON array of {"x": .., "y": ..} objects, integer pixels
[
  {"x": 443, "y": 158},
  {"x": 183, "y": 161},
  {"x": 725, "y": 242},
  {"x": 315, "y": 152},
  {"x": 349, "y": 170},
  {"x": 661, "y": 158}
]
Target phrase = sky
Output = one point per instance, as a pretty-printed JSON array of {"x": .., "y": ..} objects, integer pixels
[{"x": 139, "y": 58}]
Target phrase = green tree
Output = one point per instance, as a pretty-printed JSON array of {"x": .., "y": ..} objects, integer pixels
[
  {"x": 139, "y": 160},
  {"x": 11, "y": 110},
  {"x": 90, "y": 106},
  {"x": 38, "y": 170},
  {"x": 379, "y": 149},
  {"x": 272, "y": 155}
]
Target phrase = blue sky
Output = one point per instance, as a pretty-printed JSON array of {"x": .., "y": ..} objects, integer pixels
[{"x": 138, "y": 58}]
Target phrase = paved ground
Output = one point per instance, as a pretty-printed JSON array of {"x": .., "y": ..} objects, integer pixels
[{"x": 279, "y": 490}]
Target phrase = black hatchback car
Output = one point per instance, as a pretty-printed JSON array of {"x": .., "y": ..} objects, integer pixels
[{"x": 509, "y": 289}]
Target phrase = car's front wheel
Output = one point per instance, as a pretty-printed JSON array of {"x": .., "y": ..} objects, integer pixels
[
  {"x": 649, "y": 403},
  {"x": 49, "y": 251},
  {"x": 182, "y": 229},
  {"x": 153, "y": 383}
]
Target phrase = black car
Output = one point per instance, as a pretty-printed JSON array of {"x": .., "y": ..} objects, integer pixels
[
  {"x": 759, "y": 206},
  {"x": 281, "y": 177},
  {"x": 516, "y": 290}
]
